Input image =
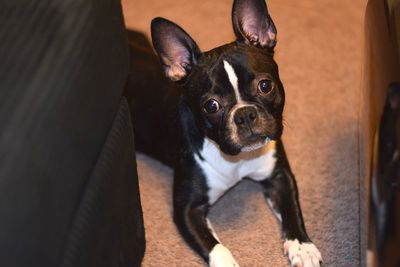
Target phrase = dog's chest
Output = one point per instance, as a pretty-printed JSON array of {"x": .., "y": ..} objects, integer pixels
[{"x": 222, "y": 171}]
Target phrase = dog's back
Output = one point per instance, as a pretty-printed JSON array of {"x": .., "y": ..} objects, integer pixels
[{"x": 152, "y": 98}]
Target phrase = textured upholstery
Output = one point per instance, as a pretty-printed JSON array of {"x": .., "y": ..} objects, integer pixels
[
  {"x": 107, "y": 229},
  {"x": 63, "y": 67}
]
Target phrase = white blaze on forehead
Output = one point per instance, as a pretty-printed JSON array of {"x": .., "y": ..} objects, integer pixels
[{"x": 233, "y": 79}]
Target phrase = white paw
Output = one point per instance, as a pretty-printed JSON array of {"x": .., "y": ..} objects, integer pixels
[
  {"x": 220, "y": 256},
  {"x": 302, "y": 254}
]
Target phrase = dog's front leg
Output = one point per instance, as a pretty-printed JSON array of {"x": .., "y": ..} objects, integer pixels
[
  {"x": 190, "y": 215},
  {"x": 282, "y": 196}
]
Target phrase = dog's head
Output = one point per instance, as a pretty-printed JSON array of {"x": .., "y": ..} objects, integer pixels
[{"x": 234, "y": 90}]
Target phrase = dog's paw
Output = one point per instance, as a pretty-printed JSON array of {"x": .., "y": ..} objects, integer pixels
[
  {"x": 302, "y": 254},
  {"x": 220, "y": 256}
]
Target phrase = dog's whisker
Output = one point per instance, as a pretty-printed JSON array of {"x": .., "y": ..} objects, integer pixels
[{"x": 286, "y": 123}]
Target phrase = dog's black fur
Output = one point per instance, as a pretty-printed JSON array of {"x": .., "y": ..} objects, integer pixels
[{"x": 172, "y": 119}]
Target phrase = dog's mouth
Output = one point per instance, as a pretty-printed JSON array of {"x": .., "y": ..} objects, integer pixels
[
  {"x": 257, "y": 138},
  {"x": 256, "y": 145},
  {"x": 233, "y": 148},
  {"x": 257, "y": 141}
]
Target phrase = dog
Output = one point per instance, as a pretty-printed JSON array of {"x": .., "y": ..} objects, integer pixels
[{"x": 219, "y": 121}]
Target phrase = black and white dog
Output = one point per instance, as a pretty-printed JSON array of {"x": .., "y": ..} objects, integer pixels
[{"x": 218, "y": 123}]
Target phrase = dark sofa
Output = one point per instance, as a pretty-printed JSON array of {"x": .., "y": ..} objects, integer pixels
[{"x": 68, "y": 183}]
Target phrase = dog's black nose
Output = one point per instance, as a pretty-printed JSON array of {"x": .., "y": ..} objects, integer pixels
[{"x": 245, "y": 116}]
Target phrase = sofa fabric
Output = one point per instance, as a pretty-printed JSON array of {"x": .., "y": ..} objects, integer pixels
[
  {"x": 107, "y": 229},
  {"x": 63, "y": 68}
]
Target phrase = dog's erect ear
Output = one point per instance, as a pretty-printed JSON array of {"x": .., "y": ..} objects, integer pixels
[
  {"x": 176, "y": 49},
  {"x": 252, "y": 23}
]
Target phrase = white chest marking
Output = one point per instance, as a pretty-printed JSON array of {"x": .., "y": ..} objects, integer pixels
[
  {"x": 233, "y": 79},
  {"x": 223, "y": 171}
]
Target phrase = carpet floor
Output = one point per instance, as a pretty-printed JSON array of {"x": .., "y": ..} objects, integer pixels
[{"x": 319, "y": 53}]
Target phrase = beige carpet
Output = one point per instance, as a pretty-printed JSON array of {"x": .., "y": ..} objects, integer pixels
[{"x": 319, "y": 53}]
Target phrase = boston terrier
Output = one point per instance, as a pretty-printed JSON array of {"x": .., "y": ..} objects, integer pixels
[{"x": 218, "y": 122}]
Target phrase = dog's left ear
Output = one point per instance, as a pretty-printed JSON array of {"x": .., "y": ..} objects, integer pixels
[{"x": 252, "y": 23}]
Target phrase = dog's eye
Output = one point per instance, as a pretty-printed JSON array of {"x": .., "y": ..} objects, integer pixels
[
  {"x": 265, "y": 86},
  {"x": 212, "y": 106}
]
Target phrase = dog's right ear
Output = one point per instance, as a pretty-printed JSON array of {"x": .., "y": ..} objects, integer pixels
[{"x": 176, "y": 49}]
